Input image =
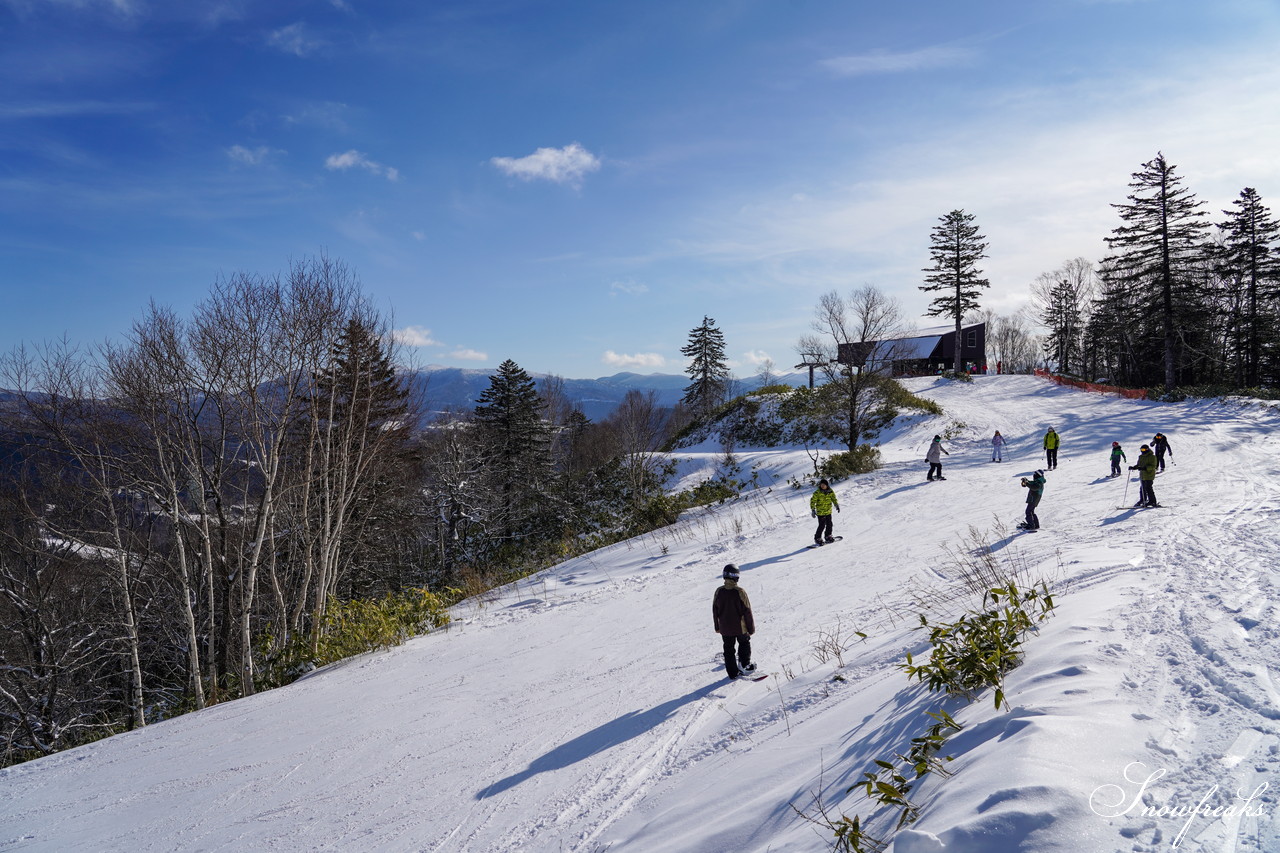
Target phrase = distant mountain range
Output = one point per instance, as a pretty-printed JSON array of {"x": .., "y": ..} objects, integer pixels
[{"x": 458, "y": 389}]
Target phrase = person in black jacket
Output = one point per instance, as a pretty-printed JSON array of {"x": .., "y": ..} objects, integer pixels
[
  {"x": 731, "y": 615},
  {"x": 1161, "y": 446}
]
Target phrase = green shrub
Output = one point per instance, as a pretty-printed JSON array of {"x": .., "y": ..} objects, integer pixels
[
  {"x": 974, "y": 652},
  {"x": 354, "y": 627},
  {"x": 900, "y": 398},
  {"x": 861, "y": 460}
]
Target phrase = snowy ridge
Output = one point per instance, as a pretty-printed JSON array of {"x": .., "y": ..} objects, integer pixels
[{"x": 585, "y": 709}]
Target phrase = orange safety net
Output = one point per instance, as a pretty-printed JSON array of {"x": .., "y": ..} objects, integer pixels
[{"x": 1131, "y": 393}]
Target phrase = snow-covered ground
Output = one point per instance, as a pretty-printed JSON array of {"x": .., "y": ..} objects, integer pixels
[{"x": 585, "y": 709}]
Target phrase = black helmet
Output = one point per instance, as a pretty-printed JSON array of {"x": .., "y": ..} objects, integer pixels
[{"x": 730, "y": 572}]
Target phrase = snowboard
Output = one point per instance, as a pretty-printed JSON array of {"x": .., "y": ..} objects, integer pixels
[
  {"x": 752, "y": 677},
  {"x": 836, "y": 538}
]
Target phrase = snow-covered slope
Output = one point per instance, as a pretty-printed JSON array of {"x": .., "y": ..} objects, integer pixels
[{"x": 585, "y": 709}]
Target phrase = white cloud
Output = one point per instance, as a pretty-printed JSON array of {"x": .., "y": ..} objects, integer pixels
[
  {"x": 640, "y": 359},
  {"x": 630, "y": 288},
  {"x": 756, "y": 357},
  {"x": 469, "y": 355},
  {"x": 418, "y": 235},
  {"x": 295, "y": 39},
  {"x": 249, "y": 156},
  {"x": 415, "y": 336},
  {"x": 1040, "y": 169},
  {"x": 889, "y": 62},
  {"x": 354, "y": 159},
  {"x": 566, "y": 165}
]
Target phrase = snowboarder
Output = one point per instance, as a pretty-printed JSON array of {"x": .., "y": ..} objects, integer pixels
[
  {"x": 997, "y": 447},
  {"x": 1146, "y": 478},
  {"x": 1161, "y": 445},
  {"x": 731, "y": 615},
  {"x": 1117, "y": 453},
  {"x": 934, "y": 458},
  {"x": 1051, "y": 449},
  {"x": 1035, "y": 490},
  {"x": 820, "y": 505}
]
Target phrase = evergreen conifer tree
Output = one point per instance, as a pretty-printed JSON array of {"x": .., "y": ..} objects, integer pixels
[
  {"x": 955, "y": 247},
  {"x": 708, "y": 370},
  {"x": 1160, "y": 247},
  {"x": 509, "y": 413},
  {"x": 1251, "y": 266}
]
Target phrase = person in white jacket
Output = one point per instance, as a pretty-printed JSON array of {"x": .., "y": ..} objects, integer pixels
[{"x": 934, "y": 458}]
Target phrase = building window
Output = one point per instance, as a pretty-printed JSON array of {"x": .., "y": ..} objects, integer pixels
[{"x": 971, "y": 338}]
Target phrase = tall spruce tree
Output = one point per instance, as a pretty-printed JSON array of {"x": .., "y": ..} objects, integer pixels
[
  {"x": 1252, "y": 268},
  {"x": 1159, "y": 249},
  {"x": 955, "y": 247},
  {"x": 358, "y": 440},
  {"x": 509, "y": 413},
  {"x": 708, "y": 369}
]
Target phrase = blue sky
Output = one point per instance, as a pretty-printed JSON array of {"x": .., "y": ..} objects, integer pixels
[{"x": 573, "y": 185}]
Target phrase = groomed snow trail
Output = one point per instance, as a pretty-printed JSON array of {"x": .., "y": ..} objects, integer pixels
[{"x": 585, "y": 709}]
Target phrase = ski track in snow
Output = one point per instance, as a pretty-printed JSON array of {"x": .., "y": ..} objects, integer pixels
[{"x": 584, "y": 709}]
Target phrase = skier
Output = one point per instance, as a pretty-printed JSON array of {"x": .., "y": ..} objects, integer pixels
[
  {"x": 997, "y": 447},
  {"x": 1035, "y": 490},
  {"x": 934, "y": 458},
  {"x": 1147, "y": 478},
  {"x": 1051, "y": 449},
  {"x": 1161, "y": 445},
  {"x": 820, "y": 505},
  {"x": 1117, "y": 453},
  {"x": 731, "y": 615}
]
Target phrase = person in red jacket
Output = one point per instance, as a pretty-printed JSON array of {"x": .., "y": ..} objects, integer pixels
[{"x": 731, "y": 614}]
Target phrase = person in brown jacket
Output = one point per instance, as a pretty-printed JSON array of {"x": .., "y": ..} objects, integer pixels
[{"x": 731, "y": 613}]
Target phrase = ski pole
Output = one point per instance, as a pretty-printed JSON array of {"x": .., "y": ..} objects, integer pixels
[{"x": 1127, "y": 481}]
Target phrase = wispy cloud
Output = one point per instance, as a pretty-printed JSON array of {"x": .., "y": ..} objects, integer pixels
[
  {"x": 128, "y": 8},
  {"x": 891, "y": 62},
  {"x": 415, "y": 336},
  {"x": 65, "y": 109},
  {"x": 325, "y": 114},
  {"x": 640, "y": 359},
  {"x": 630, "y": 288},
  {"x": 756, "y": 357},
  {"x": 249, "y": 156},
  {"x": 567, "y": 165},
  {"x": 295, "y": 39},
  {"x": 469, "y": 355},
  {"x": 355, "y": 159}
]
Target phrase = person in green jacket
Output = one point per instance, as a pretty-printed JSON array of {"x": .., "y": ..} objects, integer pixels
[
  {"x": 1117, "y": 453},
  {"x": 1051, "y": 449},
  {"x": 820, "y": 508},
  {"x": 1146, "y": 477}
]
